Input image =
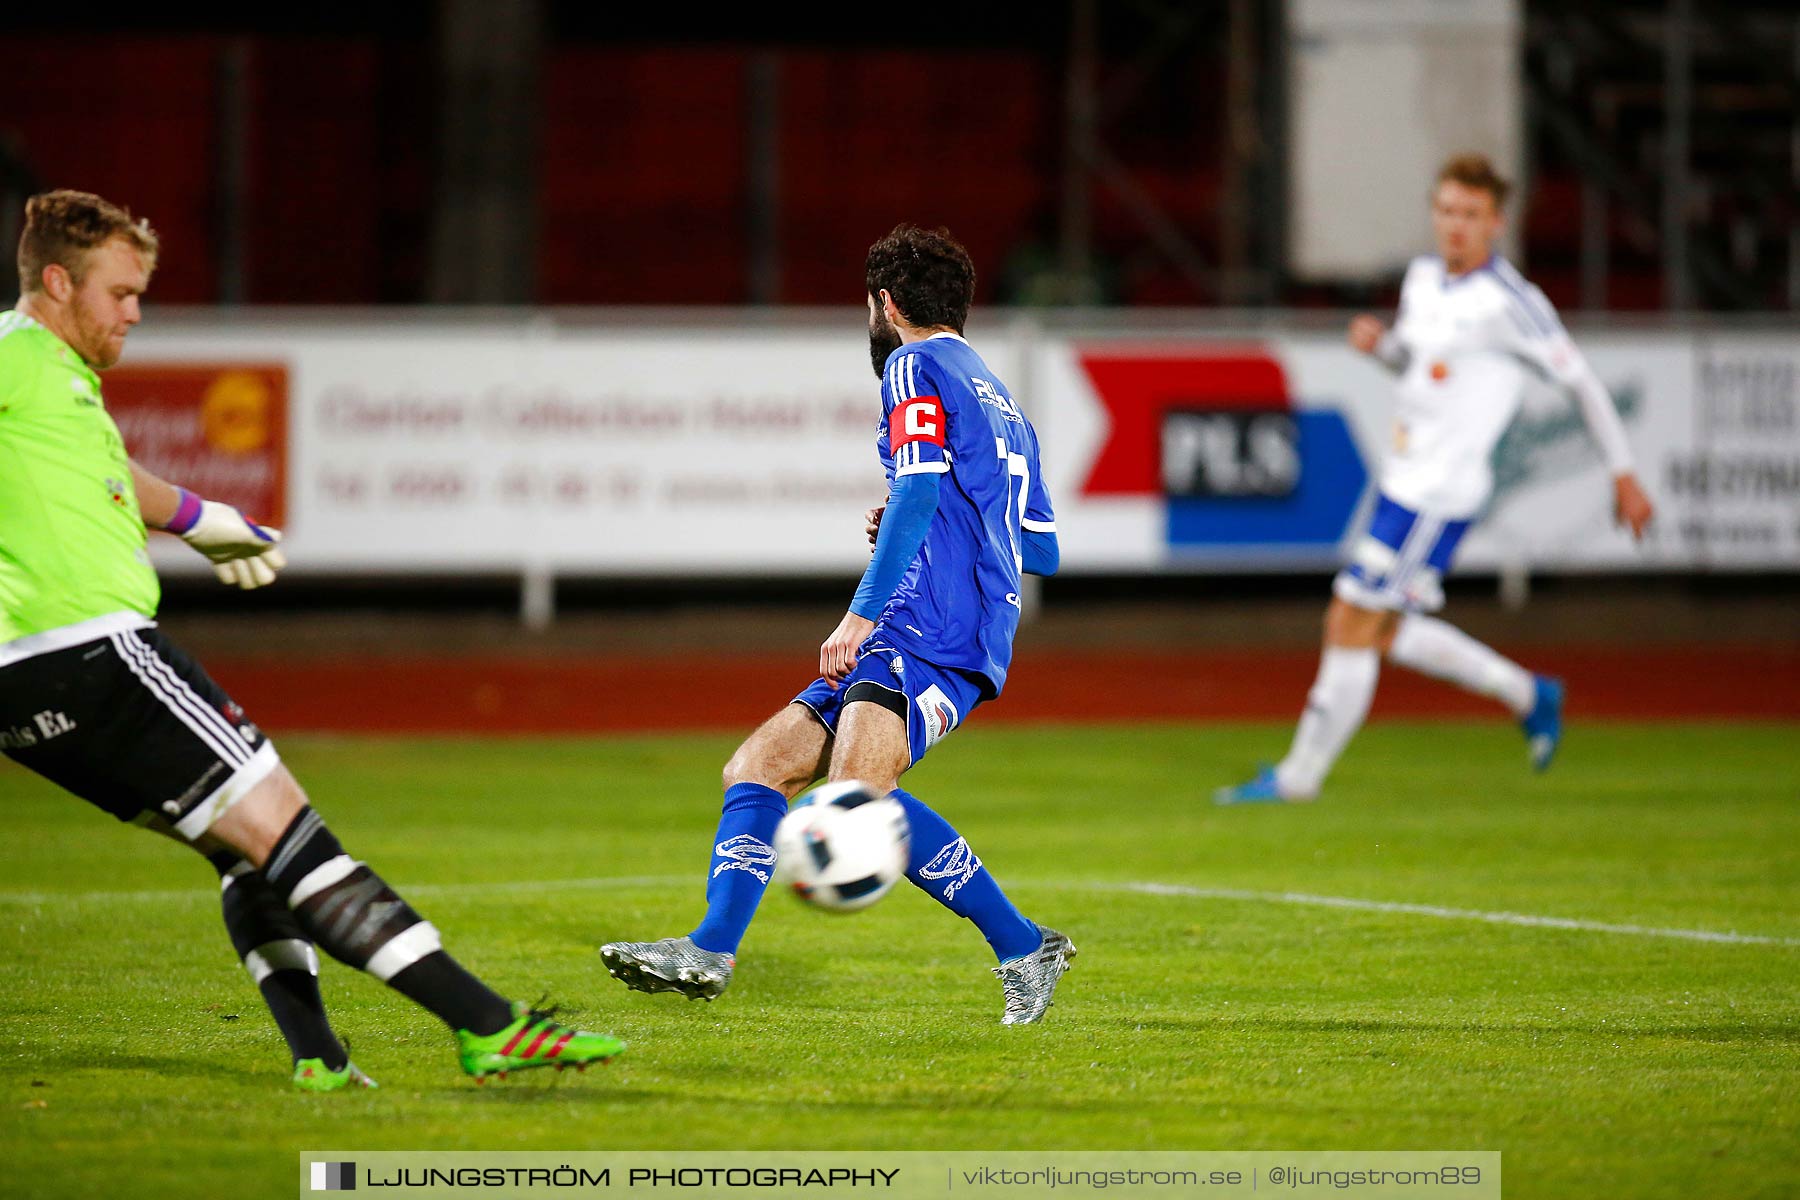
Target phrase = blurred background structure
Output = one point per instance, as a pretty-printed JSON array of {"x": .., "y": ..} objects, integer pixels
[
  {"x": 538, "y": 326},
  {"x": 545, "y": 302},
  {"x": 1134, "y": 153}
]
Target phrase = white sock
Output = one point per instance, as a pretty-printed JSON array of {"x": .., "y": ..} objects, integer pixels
[
  {"x": 1335, "y": 709},
  {"x": 1439, "y": 649}
]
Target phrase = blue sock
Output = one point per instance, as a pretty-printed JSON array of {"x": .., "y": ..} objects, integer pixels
[
  {"x": 944, "y": 867},
  {"x": 741, "y": 863}
]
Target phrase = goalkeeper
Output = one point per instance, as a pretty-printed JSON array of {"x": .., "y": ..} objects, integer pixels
[{"x": 96, "y": 700}]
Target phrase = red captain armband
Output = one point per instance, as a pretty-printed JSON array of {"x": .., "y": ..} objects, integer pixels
[{"x": 920, "y": 419}]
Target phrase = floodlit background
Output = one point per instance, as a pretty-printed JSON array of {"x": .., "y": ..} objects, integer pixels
[
  {"x": 538, "y": 328},
  {"x": 554, "y": 305}
]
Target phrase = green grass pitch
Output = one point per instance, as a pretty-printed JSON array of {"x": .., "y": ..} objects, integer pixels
[{"x": 136, "y": 1059}]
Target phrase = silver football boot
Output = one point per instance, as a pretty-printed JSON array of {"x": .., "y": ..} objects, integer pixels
[
  {"x": 1031, "y": 980},
  {"x": 671, "y": 965}
]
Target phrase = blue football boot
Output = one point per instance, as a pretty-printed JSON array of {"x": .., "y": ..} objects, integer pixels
[
  {"x": 1543, "y": 724},
  {"x": 1261, "y": 790}
]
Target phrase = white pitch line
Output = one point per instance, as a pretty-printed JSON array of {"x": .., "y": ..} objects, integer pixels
[
  {"x": 1528, "y": 920},
  {"x": 1144, "y": 888}
]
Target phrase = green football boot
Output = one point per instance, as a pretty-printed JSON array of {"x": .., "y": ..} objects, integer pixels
[
  {"x": 533, "y": 1040},
  {"x": 312, "y": 1075}
]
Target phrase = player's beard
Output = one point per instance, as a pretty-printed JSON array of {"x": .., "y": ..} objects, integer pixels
[
  {"x": 884, "y": 339},
  {"x": 94, "y": 336}
]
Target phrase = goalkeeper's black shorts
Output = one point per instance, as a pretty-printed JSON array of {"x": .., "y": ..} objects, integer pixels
[{"x": 131, "y": 724}]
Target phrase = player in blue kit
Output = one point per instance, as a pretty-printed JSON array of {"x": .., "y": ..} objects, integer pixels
[{"x": 927, "y": 639}]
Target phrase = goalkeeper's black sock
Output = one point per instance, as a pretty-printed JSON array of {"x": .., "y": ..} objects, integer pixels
[
  {"x": 441, "y": 984},
  {"x": 280, "y": 959},
  {"x": 355, "y": 917}
]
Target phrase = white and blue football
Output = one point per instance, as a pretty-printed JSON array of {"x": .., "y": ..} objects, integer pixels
[{"x": 842, "y": 846}]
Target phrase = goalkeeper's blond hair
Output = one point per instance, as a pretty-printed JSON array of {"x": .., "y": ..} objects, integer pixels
[{"x": 64, "y": 227}]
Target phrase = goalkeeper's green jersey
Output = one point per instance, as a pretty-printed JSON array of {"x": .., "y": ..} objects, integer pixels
[{"x": 72, "y": 542}]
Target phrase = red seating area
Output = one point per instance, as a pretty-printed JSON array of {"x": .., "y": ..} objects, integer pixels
[
  {"x": 643, "y": 182},
  {"x": 643, "y": 179}
]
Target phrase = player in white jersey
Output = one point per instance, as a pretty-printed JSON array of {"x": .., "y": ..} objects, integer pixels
[{"x": 1470, "y": 334}]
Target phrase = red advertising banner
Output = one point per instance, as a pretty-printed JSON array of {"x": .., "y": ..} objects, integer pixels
[{"x": 218, "y": 429}]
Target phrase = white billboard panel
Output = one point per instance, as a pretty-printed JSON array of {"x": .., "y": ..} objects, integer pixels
[{"x": 689, "y": 449}]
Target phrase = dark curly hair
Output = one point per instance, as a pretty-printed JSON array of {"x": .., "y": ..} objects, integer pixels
[{"x": 927, "y": 272}]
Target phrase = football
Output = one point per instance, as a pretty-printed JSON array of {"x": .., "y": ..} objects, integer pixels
[{"x": 842, "y": 846}]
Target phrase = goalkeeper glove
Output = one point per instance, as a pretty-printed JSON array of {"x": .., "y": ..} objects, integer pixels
[{"x": 244, "y": 554}]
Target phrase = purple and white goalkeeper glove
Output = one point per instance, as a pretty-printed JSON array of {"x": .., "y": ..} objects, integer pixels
[{"x": 244, "y": 554}]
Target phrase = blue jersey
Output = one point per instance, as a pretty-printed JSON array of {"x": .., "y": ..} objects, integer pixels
[{"x": 944, "y": 411}]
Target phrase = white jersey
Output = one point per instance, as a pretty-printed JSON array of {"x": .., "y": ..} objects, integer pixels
[{"x": 1465, "y": 348}]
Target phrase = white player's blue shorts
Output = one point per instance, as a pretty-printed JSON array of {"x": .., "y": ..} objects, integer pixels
[{"x": 1399, "y": 564}]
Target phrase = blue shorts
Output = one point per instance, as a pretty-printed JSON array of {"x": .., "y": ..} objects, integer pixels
[
  {"x": 1399, "y": 564},
  {"x": 937, "y": 699}
]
